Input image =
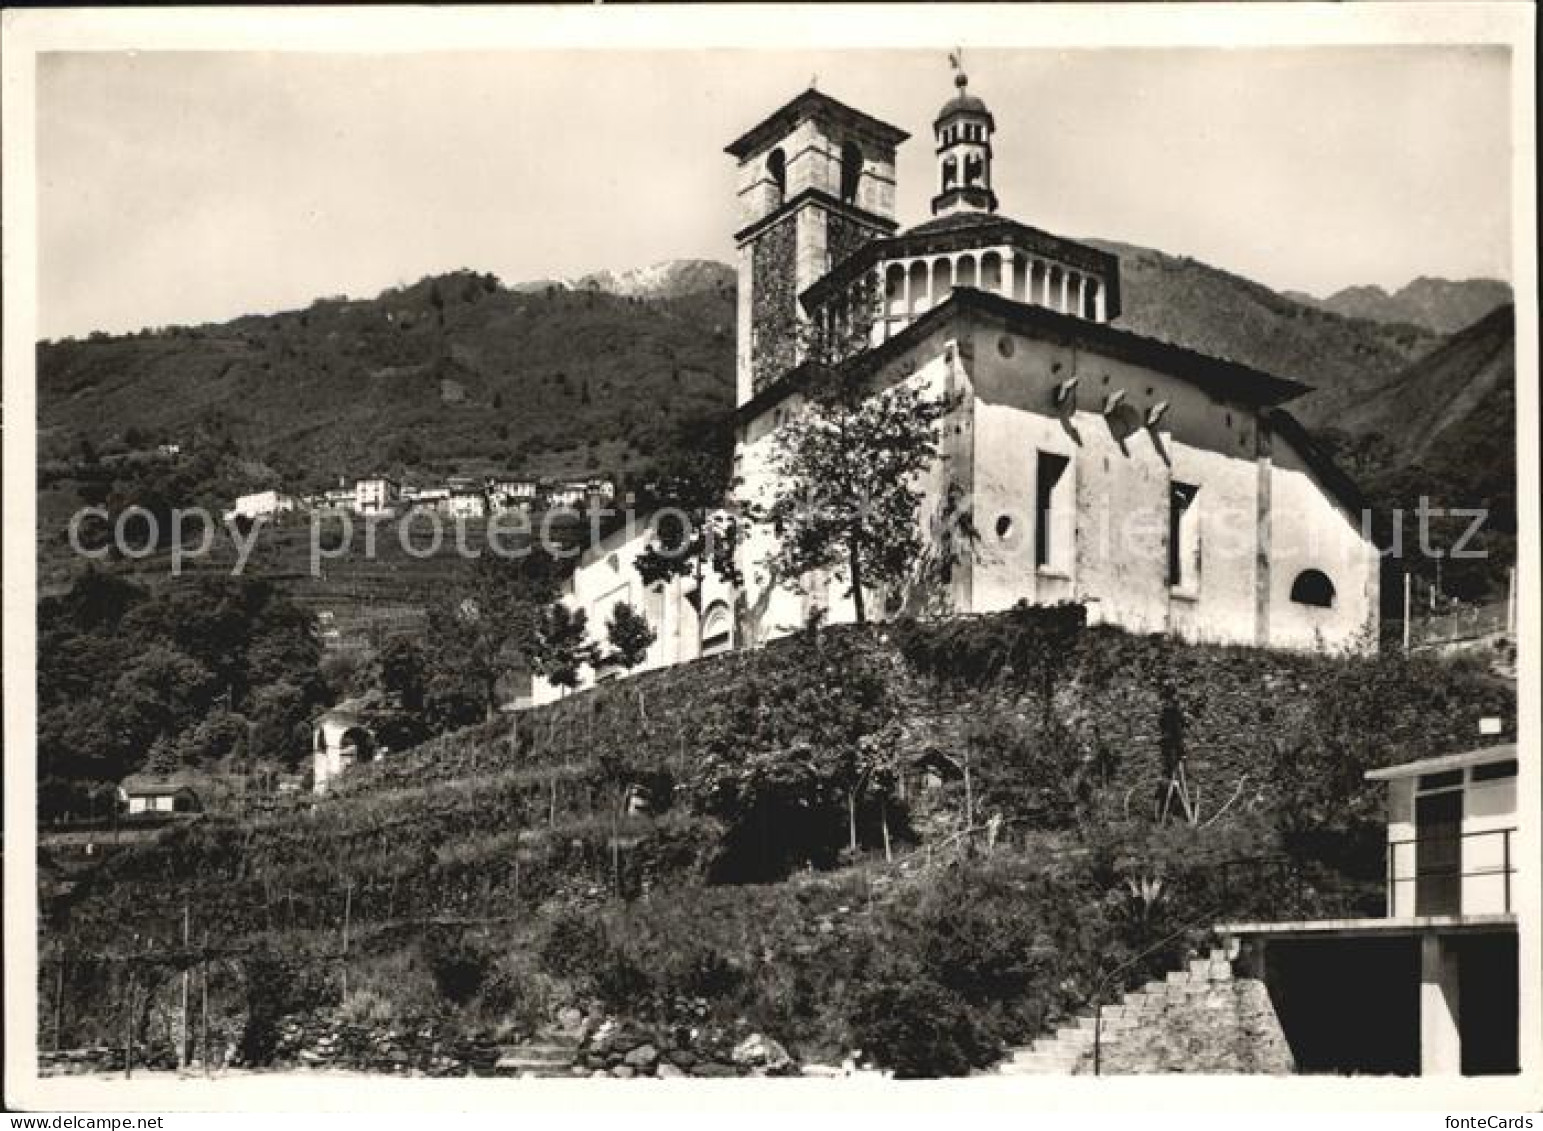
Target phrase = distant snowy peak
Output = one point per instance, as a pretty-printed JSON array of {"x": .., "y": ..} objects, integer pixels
[{"x": 670, "y": 279}]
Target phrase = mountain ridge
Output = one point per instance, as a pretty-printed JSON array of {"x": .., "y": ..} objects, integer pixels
[{"x": 1439, "y": 304}]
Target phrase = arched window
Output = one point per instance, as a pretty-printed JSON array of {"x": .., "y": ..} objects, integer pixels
[
  {"x": 851, "y": 171},
  {"x": 1313, "y": 587},
  {"x": 777, "y": 170},
  {"x": 717, "y": 629},
  {"x": 950, "y": 173}
]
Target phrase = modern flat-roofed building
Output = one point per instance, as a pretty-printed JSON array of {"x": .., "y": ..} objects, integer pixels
[{"x": 1429, "y": 987}]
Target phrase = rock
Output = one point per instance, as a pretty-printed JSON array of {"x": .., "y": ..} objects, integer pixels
[
  {"x": 623, "y": 1072},
  {"x": 712, "y": 1068},
  {"x": 644, "y": 1056},
  {"x": 599, "y": 1074},
  {"x": 668, "y": 1071},
  {"x": 570, "y": 1020},
  {"x": 684, "y": 1058},
  {"x": 600, "y": 1040},
  {"x": 760, "y": 1051}
]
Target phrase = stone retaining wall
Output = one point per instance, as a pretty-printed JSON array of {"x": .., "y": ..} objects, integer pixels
[{"x": 1231, "y": 1027}]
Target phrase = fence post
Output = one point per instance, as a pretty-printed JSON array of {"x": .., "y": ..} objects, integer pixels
[
  {"x": 187, "y": 974},
  {"x": 128, "y": 1027},
  {"x": 205, "y": 1033},
  {"x": 1505, "y": 864},
  {"x": 59, "y": 999},
  {"x": 348, "y": 907},
  {"x": 1407, "y": 588},
  {"x": 1392, "y": 853},
  {"x": 1098, "y": 1034}
]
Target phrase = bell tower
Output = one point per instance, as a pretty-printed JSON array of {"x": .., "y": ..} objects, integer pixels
[
  {"x": 963, "y": 131},
  {"x": 816, "y": 182}
]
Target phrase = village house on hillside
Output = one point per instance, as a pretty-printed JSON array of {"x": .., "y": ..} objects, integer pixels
[
  {"x": 261, "y": 504},
  {"x": 1165, "y": 489}
]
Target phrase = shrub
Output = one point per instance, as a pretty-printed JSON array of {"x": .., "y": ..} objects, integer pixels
[
  {"x": 705, "y": 972},
  {"x": 575, "y": 946},
  {"x": 366, "y": 1007},
  {"x": 459, "y": 967},
  {"x": 909, "y": 1023}
]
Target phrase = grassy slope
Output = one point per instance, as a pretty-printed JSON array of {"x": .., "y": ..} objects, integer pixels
[{"x": 345, "y": 387}]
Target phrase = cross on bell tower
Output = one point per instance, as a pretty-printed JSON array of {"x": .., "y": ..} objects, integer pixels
[{"x": 963, "y": 129}]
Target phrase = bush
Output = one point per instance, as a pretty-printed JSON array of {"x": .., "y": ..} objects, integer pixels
[
  {"x": 366, "y": 1007},
  {"x": 459, "y": 967},
  {"x": 575, "y": 946},
  {"x": 909, "y": 1023}
]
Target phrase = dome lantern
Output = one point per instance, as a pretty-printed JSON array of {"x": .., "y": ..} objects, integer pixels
[{"x": 963, "y": 130}]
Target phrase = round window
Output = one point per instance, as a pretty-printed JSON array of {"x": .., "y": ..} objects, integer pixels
[{"x": 1004, "y": 526}]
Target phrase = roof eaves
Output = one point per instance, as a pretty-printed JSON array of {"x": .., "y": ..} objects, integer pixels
[{"x": 1504, "y": 752}]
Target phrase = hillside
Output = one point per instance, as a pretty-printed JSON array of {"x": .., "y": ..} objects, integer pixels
[
  {"x": 1453, "y": 405},
  {"x": 1442, "y": 305},
  {"x": 452, "y": 373},
  {"x": 1444, "y": 429},
  {"x": 1205, "y": 308},
  {"x": 777, "y": 881}
]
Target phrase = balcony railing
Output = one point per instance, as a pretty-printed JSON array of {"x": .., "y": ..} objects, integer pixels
[{"x": 1461, "y": 874}]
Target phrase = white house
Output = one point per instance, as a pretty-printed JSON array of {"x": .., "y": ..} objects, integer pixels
[
  {"x": 464, "y": 498},
  {"x": 337, "y": 499},
  {"x": 570, "y": 494},
  {"x": 139, "y": 796},
  {"x": 506, "y": 494},
  {"x": 432, "y": 499},
  {"x": 377, "y": 494},
  {"x": 261, "y": 504}
]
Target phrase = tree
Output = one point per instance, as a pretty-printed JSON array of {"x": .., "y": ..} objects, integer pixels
[
  {"x": 688, "y": 488},
  {"x": 629, "y": 635},
  {"x": 847, "y": 462},
  {"x": 281, "y": 715},
  {"x": 848, "y": 501},
  {"x": 563, "y": 645},
  {"x": 488, "y": 625},
  {"x": 402, "y": 669}
]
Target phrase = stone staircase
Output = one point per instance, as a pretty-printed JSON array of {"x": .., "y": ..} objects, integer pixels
[
  {"x": 1069, "y": 1050},
  {"x": 547, "y": 1054}
]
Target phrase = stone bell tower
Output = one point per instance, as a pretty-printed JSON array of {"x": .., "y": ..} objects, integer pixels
[
  {"x": 963, "y": 129},
  {"x": 816, "y": 182}
]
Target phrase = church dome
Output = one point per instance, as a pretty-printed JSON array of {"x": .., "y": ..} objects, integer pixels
[{"x": 963, "y": 102}]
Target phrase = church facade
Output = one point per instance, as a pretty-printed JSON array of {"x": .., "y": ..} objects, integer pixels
[{"x": 1167, "y": 490}]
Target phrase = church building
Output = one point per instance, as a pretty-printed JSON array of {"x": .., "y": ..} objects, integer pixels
[{"x": 1165, "y": 489}]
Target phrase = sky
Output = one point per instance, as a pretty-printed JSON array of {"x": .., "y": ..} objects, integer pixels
[{"x": 185, "y": 187}]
